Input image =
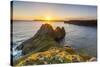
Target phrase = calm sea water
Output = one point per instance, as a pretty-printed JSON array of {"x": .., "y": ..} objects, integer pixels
[{"x": 82, "y": 38}]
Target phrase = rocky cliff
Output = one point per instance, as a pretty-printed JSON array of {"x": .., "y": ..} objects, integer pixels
[{"x": 45, "y": 38}]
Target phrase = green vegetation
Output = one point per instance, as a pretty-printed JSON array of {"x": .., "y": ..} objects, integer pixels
[{"x": 53, "y": 55}]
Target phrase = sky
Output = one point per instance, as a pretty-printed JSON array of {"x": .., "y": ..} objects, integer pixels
[{"x": 37, "y": 10}]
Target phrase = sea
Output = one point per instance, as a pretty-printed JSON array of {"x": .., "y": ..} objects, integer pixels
[{"x": 82, "y": 38}]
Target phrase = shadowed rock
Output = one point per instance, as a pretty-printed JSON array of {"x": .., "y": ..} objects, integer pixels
[
  {"x": 59, "y": 33},
  {"x": 45, "y": 38}
]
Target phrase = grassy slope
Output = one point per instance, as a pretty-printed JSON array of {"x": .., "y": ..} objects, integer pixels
[{"x": 53, "y": 55}]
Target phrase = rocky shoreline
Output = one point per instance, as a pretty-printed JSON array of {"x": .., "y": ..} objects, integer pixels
[{"x": 44, "y": 48}]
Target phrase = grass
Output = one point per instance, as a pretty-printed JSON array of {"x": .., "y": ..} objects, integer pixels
[{"x": 53, "y": 55}]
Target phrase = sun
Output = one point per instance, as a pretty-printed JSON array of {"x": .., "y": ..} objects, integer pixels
[{"x": 48, "y": 18}]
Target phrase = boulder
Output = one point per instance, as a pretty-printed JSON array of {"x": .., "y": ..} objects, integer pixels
[{"x": 93, "y": 59}]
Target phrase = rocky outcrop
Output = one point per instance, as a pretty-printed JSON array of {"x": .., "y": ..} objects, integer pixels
[
  {"x": 45, "y": 38},
  {"x": 92, "y": 59},
  {"x": 59, "y": 33},
  {"x": 47, "y": 29}
]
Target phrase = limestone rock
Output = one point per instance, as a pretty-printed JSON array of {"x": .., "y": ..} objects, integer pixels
[{"x": 45, "y": 38}]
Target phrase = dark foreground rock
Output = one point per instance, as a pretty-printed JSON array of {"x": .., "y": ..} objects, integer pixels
[{"x": 45, "y": 38}]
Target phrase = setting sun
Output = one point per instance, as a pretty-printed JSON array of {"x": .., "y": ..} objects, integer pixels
[{"x": 48, "y": 18}]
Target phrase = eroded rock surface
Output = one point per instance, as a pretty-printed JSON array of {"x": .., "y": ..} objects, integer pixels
[{"x": 45, "y": 38}]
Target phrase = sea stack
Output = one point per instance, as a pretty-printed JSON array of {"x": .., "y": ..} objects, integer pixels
[{"x": 45, "y": 38}]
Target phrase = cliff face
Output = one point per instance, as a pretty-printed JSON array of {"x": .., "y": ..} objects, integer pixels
[
  {"x": 45, "y": 38},
  {"x": 46, "y": 29}
]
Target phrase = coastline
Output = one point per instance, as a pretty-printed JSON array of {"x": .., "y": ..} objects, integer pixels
[{"x": 47, "y": 28}]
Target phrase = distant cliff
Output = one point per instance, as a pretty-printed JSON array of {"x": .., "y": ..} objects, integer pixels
[{"x": 83, "y": 22}]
